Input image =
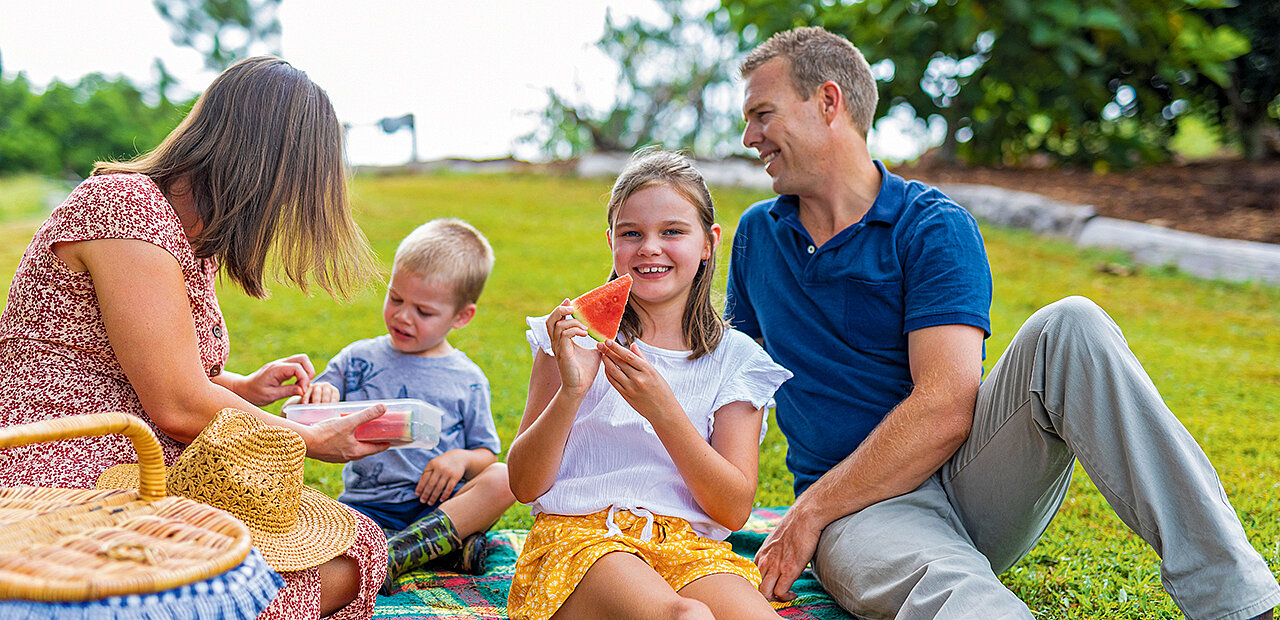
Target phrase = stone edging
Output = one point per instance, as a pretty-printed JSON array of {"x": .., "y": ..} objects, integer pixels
[{"x": 1198, "y": 255}]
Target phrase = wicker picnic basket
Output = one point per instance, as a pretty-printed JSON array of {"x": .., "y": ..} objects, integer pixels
[{"x": 66, "y": 545}]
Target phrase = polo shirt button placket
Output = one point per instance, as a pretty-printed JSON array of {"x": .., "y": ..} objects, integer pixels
[{"x": 811, "y": 249}]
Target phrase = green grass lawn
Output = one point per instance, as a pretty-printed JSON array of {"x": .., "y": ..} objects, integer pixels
[
  {"x": 1213, "y": 349},
  {"x": 23, "y": 197}
]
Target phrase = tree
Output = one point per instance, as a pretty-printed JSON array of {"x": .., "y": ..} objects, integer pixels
[
  {"x": 1087, "y": 80},
  {"x": 1247, "y": 97},
  {"x": 673, "y": 89},
  {"x": 224, "y": 31},
  {"x": 23, "y": 146},
  {"x": 67, "y": 128}
]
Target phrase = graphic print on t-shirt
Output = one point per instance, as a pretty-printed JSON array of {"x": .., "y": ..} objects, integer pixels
[
  {"x": 366, "y": 474},
  {"x": 357, "y": 376}
]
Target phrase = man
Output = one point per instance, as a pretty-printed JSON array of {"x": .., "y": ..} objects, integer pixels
[{"x": 916, "y": 482}]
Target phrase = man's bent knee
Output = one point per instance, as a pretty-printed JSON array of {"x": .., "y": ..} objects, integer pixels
[
  {"x": 1076, "y": 309},
  {"x": 1069, "y": 318}
]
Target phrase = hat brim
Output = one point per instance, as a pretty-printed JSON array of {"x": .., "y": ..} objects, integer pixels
[{"x": 324, "y": 529}]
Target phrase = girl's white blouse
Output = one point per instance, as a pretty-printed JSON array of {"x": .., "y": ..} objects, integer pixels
[{"x": 613, "y": 458}]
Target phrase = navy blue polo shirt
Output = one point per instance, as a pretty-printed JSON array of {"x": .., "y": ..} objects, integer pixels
[{"x": 838, "y": 315}]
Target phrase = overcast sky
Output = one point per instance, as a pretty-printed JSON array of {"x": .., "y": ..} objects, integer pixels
[{"x": 474, "y": 74}]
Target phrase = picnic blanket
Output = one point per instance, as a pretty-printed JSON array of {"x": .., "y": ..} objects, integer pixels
[{"x": 445, "y": 595}]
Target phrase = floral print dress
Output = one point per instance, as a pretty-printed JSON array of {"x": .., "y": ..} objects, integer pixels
[{"x": 56, "y": 360}]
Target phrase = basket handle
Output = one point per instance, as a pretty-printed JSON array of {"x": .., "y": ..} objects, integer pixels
[{"x": 151, "y": 469}]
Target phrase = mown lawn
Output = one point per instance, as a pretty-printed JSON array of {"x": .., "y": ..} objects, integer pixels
[{"x": 1213, "y": 349}]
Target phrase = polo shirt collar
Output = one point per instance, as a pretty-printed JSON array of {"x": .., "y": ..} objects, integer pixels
[
  {"x": 888, "y": 204},
  {"x": 886, "y": 208}
]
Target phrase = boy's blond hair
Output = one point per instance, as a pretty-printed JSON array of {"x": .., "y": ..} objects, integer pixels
[{"x": 450, "y": 252}]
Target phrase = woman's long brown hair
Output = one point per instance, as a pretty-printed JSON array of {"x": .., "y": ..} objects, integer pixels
[
  {"x": 260, "y": 155},
  {"x": 702, "y": 325}
]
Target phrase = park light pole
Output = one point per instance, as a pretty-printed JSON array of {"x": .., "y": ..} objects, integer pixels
[{"x": 392, "y": 125}]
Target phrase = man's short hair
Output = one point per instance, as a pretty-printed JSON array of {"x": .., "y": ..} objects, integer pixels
[
  {"x": 817, "y": 56},
  {"x": 450, "y": 252}
]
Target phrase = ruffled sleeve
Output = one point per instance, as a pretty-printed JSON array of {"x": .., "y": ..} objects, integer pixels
[
  {"x": 537, "y": 335},
  {"x": 120, "y": 206},
  {"x": 752, "y": 376}
]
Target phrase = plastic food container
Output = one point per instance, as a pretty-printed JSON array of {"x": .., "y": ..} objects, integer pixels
[{"x": 408, "y": 422}]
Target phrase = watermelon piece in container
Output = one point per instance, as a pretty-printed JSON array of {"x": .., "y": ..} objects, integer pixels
[
  {"x": 408, "y": 422},
  {"x": 601, "y": 308}
]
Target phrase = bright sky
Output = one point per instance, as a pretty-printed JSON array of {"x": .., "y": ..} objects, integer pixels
[{"x": 474, "y": 74}]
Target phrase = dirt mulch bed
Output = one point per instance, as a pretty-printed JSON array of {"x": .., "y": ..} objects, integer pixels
[{"x": 1230, "y": 199}]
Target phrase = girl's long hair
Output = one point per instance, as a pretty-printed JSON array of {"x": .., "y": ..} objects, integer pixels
[
  {"x": 261, "y": 157},
  {"x": 702, "y": 325}
]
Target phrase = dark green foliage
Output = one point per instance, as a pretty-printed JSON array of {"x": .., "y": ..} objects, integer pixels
[
  {"x": 1250, "y": 101},
  {"x": 65, "y": 129},
  {"x": 1084, "y": 80}
]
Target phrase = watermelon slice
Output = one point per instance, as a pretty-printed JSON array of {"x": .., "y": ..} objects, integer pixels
[{"x": 600, "y": 309}]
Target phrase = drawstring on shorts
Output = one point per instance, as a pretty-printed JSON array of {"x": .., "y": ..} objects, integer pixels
[{"x": 646, "y": 533}]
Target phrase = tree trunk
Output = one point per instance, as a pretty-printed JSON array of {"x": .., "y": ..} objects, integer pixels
[
  {"x": 947, "y": 152},
  {"x": 1255, "y": 149}
]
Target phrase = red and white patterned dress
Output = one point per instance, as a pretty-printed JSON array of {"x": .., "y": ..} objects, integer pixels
[{"x": 56, "y": 360}]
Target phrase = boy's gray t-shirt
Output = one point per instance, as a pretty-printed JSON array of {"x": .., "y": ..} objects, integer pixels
[{"x": 371, "y": 369}]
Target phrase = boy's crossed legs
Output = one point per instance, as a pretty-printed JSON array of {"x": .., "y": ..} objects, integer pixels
[{"x": 465, "y": 516}]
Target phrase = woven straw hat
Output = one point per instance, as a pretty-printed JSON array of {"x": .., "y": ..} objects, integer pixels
[{"x": 254, "y": 471}]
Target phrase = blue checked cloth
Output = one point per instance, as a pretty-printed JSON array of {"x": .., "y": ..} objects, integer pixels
[{"x": 238, "y": 594}]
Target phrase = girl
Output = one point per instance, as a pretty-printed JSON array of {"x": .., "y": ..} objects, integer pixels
[{"x": 639, "y": 460}]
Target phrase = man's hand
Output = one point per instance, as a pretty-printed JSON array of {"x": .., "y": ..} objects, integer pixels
[
  {"x": 441, "y": 476},
  {"x": 786, "y": 552}
]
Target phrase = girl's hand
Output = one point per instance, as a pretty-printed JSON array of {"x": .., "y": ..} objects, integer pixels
[
  {"x": 578, "y": 366},
  {"x": 440, "y": 476},
  {"x": 321, "y": 392},
  {"x": 267, "y": 384},
  {"x": 639, "y": 383},
  {"x": 333, "y": 440}
]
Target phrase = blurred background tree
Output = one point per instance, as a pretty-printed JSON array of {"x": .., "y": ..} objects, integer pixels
[
  {"x": 675, "y": 89},
  {"x": 1102, "y": 83},
  {"x": 1087, "y": 81},
  {"x": 1249, "y": 103},
  {"x": 224, "y": 31},
  {"x": 62, "y": 129}
]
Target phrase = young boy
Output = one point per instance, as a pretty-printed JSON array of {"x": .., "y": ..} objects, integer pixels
[{"x": 442, "y": 499}]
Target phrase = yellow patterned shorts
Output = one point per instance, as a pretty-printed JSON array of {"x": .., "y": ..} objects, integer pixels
[{"x": 560, "y": 549}]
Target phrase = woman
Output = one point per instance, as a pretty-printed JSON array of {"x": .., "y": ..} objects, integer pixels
[{"x": 113, "y": 305}]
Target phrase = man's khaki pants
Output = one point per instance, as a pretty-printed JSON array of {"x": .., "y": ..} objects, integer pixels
[{"x": 1068, "y": 387}]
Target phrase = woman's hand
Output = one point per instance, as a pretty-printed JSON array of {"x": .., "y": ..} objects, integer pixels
[
  {"x": 629, "y": 372},
  {"x": 578, "y": 366},
  {"x": 267, "y": 384},
  {"x": 333, "y": 440}
]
